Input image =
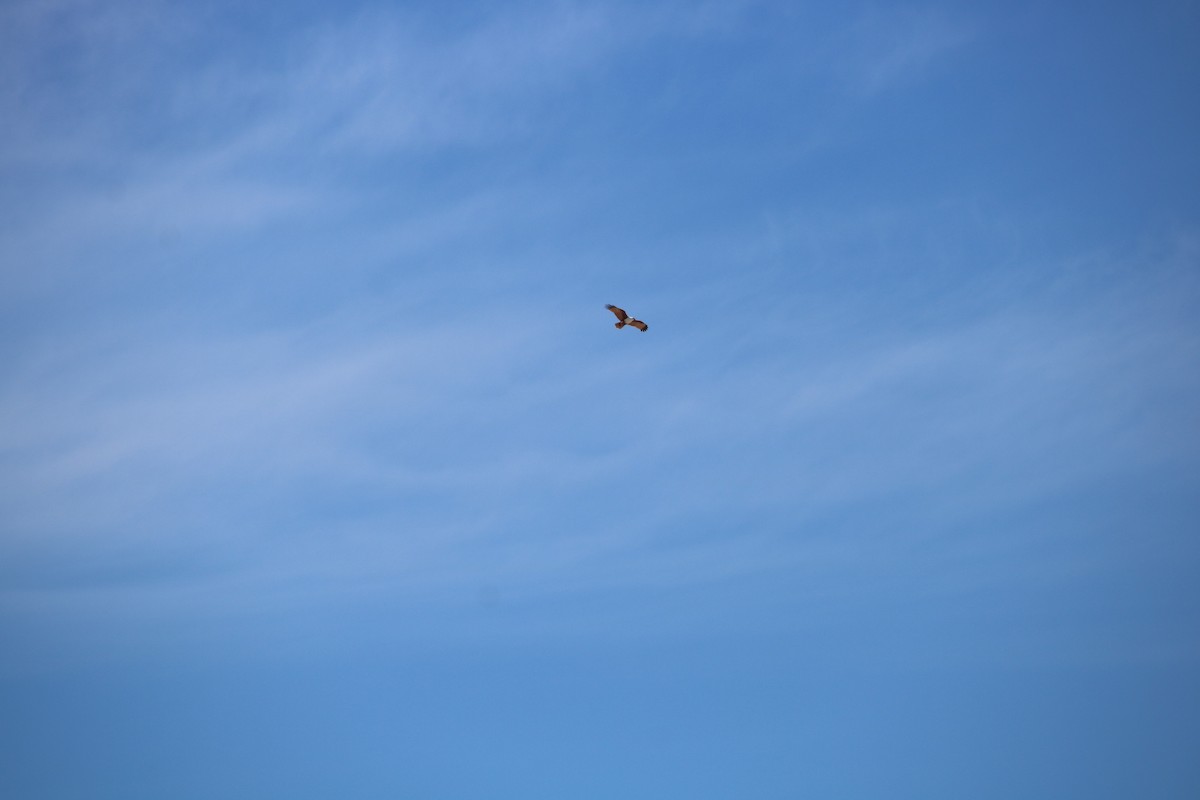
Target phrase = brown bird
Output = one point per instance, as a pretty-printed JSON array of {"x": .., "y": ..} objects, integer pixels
[{"x": 625, "y": 319}]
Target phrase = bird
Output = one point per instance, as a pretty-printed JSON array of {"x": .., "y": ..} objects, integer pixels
[{"x": 625, "y": 319}]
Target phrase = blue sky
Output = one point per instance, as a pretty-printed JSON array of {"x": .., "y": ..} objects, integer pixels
[{"x": 324, "y": 473}]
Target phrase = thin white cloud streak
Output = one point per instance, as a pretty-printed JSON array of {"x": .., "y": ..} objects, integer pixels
[
  {"x": 890, "y": 48},
  {"x": 245, "y": 140},
  {"x": 377, "y": 79},
  {"x": 177, "y": 400}
]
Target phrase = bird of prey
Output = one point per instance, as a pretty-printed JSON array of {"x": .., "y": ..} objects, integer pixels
[{"x": 625, "y": 319}]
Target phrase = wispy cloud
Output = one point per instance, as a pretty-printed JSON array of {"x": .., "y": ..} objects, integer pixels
[
  {"x": 173, "y": 136},
  {"x": 449, "y": 441},
  {"x": 449, "y": 419},
  {"x": 889, "y": 48}
]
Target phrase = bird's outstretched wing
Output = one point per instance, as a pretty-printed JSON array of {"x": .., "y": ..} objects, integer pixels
[
  {"x": 641, "y": 326},
  {"x": 620, "y": 312}
]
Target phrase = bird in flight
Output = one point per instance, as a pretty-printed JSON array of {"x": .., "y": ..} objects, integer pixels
[{"x": 625, "y": 319}]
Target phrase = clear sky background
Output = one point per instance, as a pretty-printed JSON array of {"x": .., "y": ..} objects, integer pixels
[{"x": 323, "y": 472}]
